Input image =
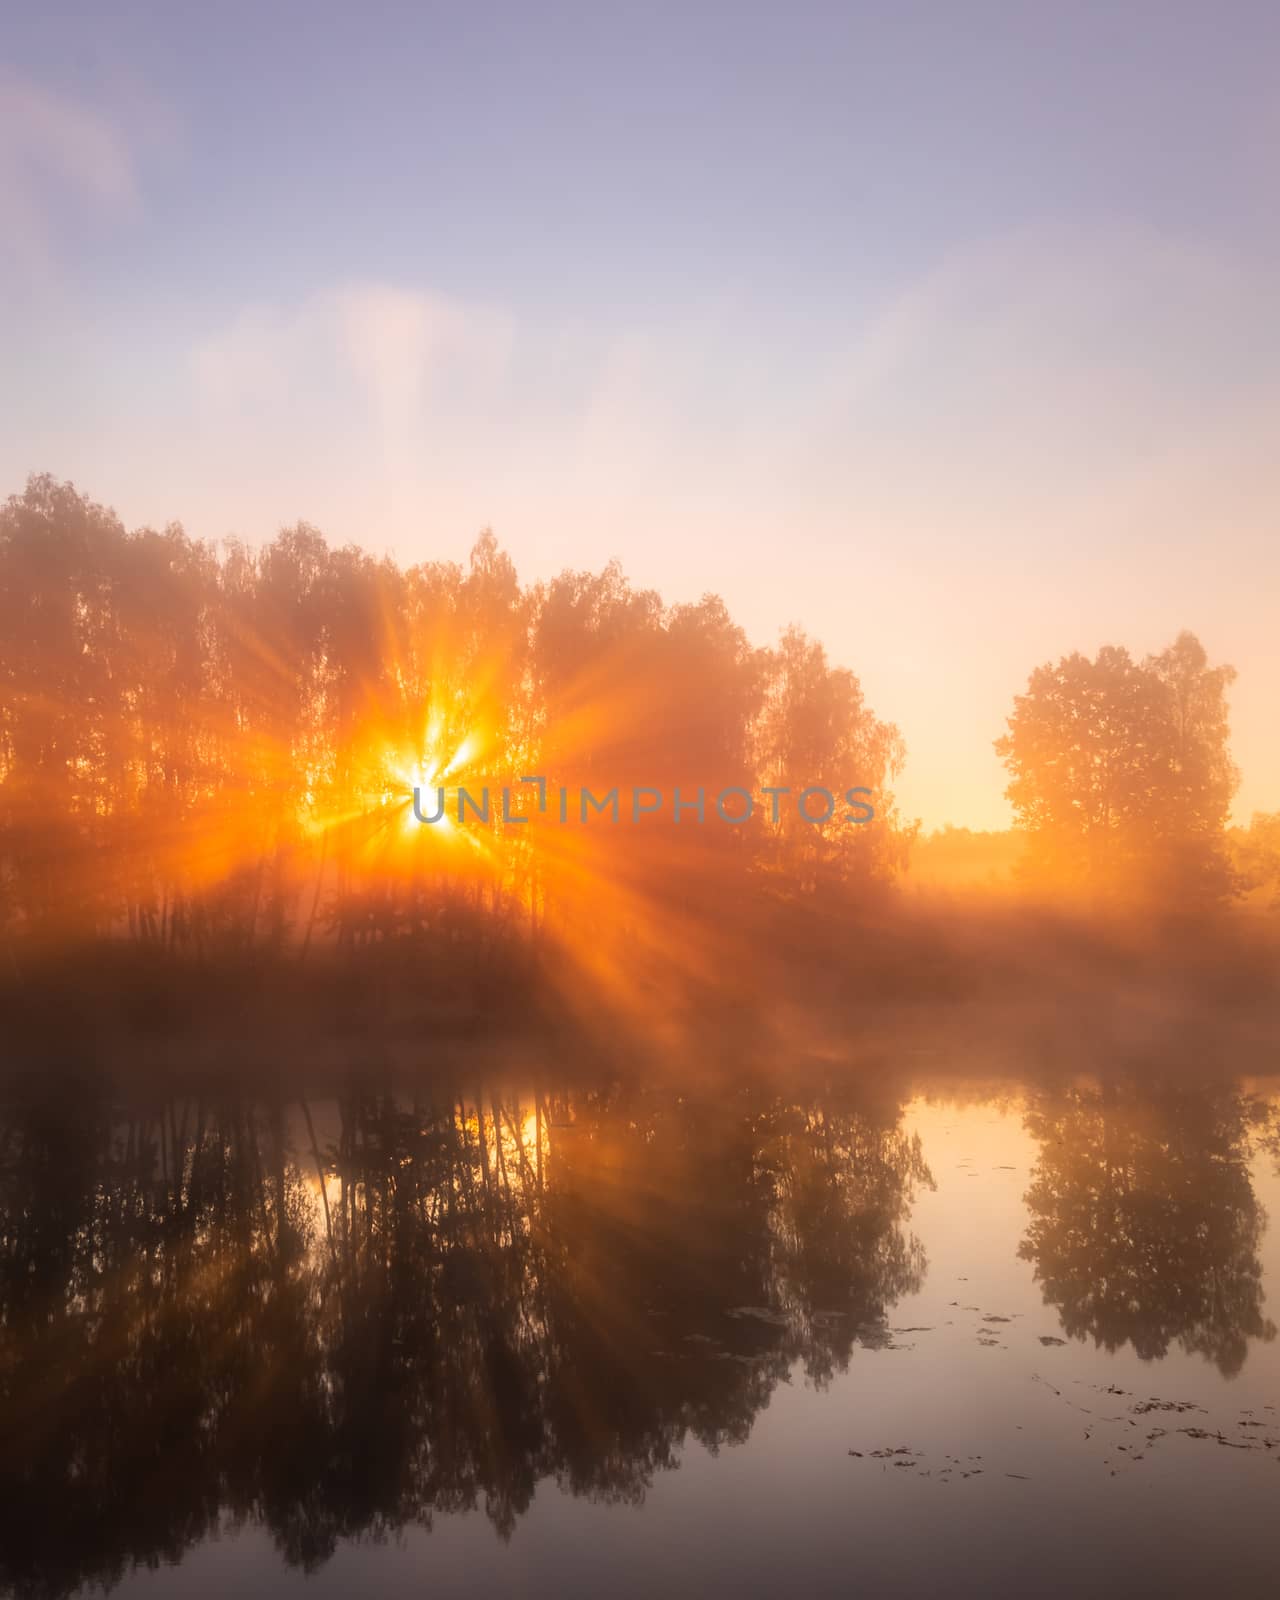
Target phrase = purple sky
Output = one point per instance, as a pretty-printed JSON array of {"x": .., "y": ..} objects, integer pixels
[{"x": 948, "y": 331}]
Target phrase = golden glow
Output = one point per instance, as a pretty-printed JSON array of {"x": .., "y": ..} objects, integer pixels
[{"x": 269, "y": 795}]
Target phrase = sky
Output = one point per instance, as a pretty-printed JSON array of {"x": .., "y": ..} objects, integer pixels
[{"x": 947, "y": 331}]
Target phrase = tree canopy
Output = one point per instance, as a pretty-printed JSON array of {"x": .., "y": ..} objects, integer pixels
[
  {"x": 1120, "y": 771},
  {"x": 203, "y": 748}
]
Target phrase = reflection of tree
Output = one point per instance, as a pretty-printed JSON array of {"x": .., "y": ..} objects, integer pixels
[
  {"x": 1144, "y": 1227},
  {"x": 482, "y": 1294},
  {"x": 842, "y": 1187}
]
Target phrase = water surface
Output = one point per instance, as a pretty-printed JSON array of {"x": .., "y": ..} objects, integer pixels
[{"x": 912, "y": 1337}]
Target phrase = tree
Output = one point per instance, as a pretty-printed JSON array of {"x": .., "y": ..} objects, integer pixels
[
  {"x": 816, "y": 729},
  {"x": 209, "y": 751},
  {"x": 1256, "y": 855},
  {"x": 1120, "y": 772}
]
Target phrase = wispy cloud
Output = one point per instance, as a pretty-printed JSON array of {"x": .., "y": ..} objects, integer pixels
[
  {"x": 397, "y": 346},
  {"x": 56, "y": 154},
  {"x": 364, "y": 381}
]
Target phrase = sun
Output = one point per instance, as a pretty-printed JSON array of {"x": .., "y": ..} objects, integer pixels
[{"x": 428, "y": 773}]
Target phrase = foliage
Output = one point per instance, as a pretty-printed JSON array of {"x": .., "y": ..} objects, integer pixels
[
  {"x": 215, "y": 751},
  {"x": 1120, "y": 772}
]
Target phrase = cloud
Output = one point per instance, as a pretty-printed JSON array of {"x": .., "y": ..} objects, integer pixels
[
  {"x": 364, "y": 383},
  {"x": 56, "y": 152},
  {"x": 1012, "y": 316},
  {"x": 374, "y": 354},
  {"x": 1039, "y": 377},
  {"x": 400, "y": 342}
]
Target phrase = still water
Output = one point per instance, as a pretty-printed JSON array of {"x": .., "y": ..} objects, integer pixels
[{"x": 916, "y": 1338}]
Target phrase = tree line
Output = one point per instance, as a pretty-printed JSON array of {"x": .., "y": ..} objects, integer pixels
[
  {"x": 213, "y": 750},
  {"x": 203, "y": 749}
]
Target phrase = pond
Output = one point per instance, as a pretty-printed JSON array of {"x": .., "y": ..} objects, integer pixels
[{"x": 907, "y": 1335}]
